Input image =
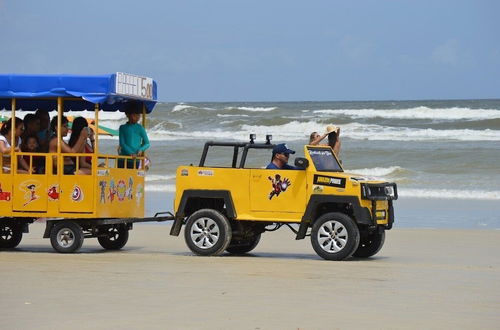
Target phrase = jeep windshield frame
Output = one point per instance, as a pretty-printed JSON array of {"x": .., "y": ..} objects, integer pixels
[{"x": 324, "y": 160}]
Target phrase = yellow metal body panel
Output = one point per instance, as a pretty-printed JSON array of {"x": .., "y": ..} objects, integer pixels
[
  {"x": 29, "y": 193},
  {"x": 271, "y": 195},
  {"x": 120, "y": 193},
  {"x": 108, "y": 193}
]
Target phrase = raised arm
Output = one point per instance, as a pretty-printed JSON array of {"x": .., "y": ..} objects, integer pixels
[{"x": 318, "y": 139}]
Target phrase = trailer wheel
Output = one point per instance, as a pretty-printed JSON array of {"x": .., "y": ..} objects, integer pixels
[
  {"x": 116, "y": 237},
  {"x": 370, "y": 245},
  {"x": 241, "y": 247},
  {"x": 10, "y": 236},
  {"x": 334, "y": 236},
  {"x": 66, "y": 237},
  {"x": 207, "y": 232}
]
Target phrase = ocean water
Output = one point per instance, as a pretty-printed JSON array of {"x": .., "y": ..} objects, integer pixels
[{"x": 431, "y": 149}]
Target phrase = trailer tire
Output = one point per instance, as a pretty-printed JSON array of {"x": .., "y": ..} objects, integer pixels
[
  {"x": 242, "y": 247},
  {"x": 10, "y": 236},
  {"x": 208, "y": 232},
  {"x": 370, "y": 245},
  {"x": 66, "y": 237},
  {"x": 334, "y": 236},
  {"x": 116, "y": 237}
]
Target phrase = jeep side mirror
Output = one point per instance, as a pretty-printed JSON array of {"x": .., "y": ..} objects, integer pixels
[{"x": 301, "y": 163}]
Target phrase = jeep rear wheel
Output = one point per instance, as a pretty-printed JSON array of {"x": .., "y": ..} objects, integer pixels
[
  {"x": 207, "y": 232},
  {"x": 243, "y": 246},
  {"x": 334, "y": 236},
  {"x": 370, "y": 245}
]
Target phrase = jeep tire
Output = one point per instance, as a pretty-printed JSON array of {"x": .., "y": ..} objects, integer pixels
[
  {"x": 370, "y": 245},
  {"x": 207, "y": 232},
  {"x": 334, "y": 236},
  {"x": 241, "y": 247},
  {"x": 10, "y": 235}
]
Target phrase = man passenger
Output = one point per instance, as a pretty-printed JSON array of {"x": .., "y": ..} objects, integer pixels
[{"x": 279, "y": 160}]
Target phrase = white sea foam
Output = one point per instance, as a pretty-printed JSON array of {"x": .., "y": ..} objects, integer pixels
[
  {"x": 449, "y": 193},
  {"x": 253, "y": 109},
  {"x": 377, "y": 172},
  {"x": 296, "y": 131},
  {"x": 160, "y": 187},
  {"x": 157, "y": 177},
  {"x": 181, "y": 107},
  {"x": 450, "y": 114},
  {"x": 223, "y": 115}
]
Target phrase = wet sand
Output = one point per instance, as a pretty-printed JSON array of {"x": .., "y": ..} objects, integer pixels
[{"x": 422, "y": 278}]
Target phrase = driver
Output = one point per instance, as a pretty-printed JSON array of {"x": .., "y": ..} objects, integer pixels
[{"x": 279, "y": 160}]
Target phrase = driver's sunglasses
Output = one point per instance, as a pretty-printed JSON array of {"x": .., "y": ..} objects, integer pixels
[{"x": 286, "y": 155}]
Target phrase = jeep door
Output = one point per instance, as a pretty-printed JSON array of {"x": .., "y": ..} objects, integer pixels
[{"x": 278, "y": 190}]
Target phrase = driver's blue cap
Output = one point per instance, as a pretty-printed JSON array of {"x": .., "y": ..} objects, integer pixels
[{"x": 282, "y": 149}]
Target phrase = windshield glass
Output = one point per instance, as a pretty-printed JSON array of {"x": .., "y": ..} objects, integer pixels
[{"x": 324, "y": 160}]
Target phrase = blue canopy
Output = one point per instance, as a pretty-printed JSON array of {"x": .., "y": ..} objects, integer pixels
[{"x": 34, "y": 92}]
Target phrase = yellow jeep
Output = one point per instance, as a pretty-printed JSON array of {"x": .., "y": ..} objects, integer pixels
[{"x": 227, "y": 208}]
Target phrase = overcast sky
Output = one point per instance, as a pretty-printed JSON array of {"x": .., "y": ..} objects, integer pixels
[{"x": 212, "y": 50}]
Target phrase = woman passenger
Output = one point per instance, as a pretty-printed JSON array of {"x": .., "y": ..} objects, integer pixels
[
  {"x": 6, "y": 145},
  {"x": 69, "y": 164},
  {"x": 80, "y": 124},
  {"x": 333, "y": 134}
]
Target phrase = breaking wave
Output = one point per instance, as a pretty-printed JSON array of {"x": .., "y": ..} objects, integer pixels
[{"x": 449, "y": 114}]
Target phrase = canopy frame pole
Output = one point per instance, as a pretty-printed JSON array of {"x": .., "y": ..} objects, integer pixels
[
  {"x": 95, "y": 156},
  {"x": 96, "y": 133},
  {"x": 13, "y": 124},
  {"x": 60, "y": 160},
  {"x": 144, "y": 116},
  {"x": 143, "y": 125}
]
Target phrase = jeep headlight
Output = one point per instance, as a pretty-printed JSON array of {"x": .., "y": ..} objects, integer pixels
[{"x": 389, "y": 191}]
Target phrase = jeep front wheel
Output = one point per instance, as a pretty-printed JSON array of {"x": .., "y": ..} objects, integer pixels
[
  {"x": 334, "y": 236},
  {"x": 207, "y": 232},
  {"x": 370, "y": 245}
]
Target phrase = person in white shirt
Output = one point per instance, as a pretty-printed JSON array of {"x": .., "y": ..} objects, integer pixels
[{"x": 6, "y": 145}]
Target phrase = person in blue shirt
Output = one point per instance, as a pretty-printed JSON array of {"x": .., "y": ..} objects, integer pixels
[
  {"x": 133, "y": 138},
  {"x": 279, "y": 161}
]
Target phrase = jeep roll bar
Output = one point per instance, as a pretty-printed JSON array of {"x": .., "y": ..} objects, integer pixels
[{"x": 236, "y": 146}]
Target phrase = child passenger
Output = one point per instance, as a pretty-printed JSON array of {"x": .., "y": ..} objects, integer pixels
[
  {"x": 30, "y": 144},
  {"x": 133, "y": 138}
]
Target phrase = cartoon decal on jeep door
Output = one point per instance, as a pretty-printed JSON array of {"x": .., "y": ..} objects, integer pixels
[{"x": 278, "y": 185}]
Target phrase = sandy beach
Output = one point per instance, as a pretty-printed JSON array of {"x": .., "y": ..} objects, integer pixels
[{"x": 422, "y": 278}]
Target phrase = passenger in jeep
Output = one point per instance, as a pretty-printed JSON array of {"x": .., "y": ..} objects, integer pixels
[{"x": 279, "y": 161}]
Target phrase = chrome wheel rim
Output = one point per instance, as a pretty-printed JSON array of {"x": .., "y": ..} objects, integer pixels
[
  {"x": 332, "y": 236},
  {"x": 65, "y": 237},
  {"x": 205, "y": 233}
]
